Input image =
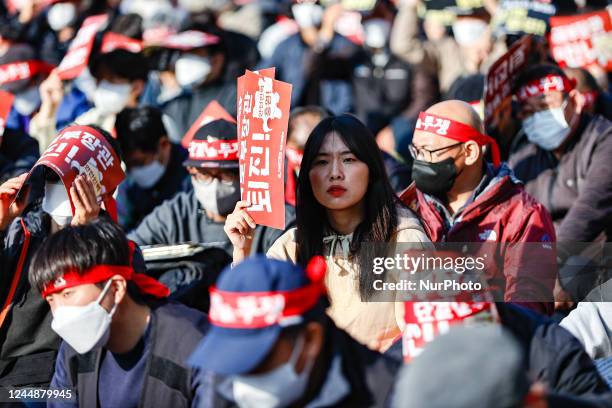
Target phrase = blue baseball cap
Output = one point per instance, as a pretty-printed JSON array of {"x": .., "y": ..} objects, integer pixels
[{"x": 250, "y": 306}]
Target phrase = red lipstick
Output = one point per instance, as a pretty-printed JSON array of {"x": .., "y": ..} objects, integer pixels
[{"x": 336, "y": 191}]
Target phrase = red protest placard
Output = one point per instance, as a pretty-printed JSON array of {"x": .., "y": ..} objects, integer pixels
[
  {"x": 6, "y": 102},
  {"x": 498, "y": 84},
  {"x": 82, "y": 150},
  {"x": 427, "y": 320},
  {"x": 582, "y": 40},
  {"x": 212, "y": 111},
  {"x": 78, "y": 54},
  {"x": 263, "y": 113}
]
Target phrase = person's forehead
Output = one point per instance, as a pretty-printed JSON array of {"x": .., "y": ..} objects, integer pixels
[{"x": 333, "y": 143}]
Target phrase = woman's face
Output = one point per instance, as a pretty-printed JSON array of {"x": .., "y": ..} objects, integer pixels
[{"x": 339, "y": 180}]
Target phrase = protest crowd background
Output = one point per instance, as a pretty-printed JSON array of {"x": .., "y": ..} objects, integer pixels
[{"x": 199, "y": 200}]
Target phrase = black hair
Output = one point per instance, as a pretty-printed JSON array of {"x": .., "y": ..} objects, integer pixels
[
  {"x": 100, "y": 242},
  {"x": 140, "y": 129},
  {"x": 380, "y": 219},
  {"x": 467, "y": 88},
  {"x": 123, "y": 63},
  {"x": 534, "y": 73}
]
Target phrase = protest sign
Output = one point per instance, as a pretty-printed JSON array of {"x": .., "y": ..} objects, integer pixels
[
  {"x": 263, "y": 114},
  {"x": 77, "y": 57},
  {"x": 427, "y": 320},
  {"x": 82, "y": 150},
  {"x": 581, "y": 40},
  {"x": 212, "y": 111},
  {"x": 518, "y": 17},
  {"x": 498, "y": 83}
]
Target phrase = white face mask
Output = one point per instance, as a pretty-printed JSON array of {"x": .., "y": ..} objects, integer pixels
[
  {"x": 60, "y": 15},
  {"x": 217, "y": 197},
  {"x": 277, "y": 388},
  {"x": 84, "y": 327},
  {"x": 192, "y": 70},
  {"x": 57, "y": 204},
  {"x": 468, "y": 31},
  {"x": 148, "y": 175},
  {"x": 111, "y": 98},
  {"x": 307, "y": 15},
  {"x": 28, "y": 101},
  {"x": 376, "y": 32},
  {"x": 548, "y": 129}
]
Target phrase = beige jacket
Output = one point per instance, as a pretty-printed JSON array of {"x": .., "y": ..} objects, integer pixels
[{"x": 375, "y": 324}]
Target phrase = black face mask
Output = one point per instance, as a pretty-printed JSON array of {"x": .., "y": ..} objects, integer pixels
[{"x": 434, "y": 179}]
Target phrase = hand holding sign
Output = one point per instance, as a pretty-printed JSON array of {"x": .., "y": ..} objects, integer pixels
[
  {"x": 239, "y": 227},
  {"x": 83, "y": 195},
  {"x": 8, "y": 192},
  {"x": 263, "y": 112}
]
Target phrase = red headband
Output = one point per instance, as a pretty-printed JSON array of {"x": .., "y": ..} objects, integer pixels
[
  {"x": 113, "y": 41},
  {"x": 441, "y": 126},
  {"x": 213, "y": 150},
  {"x": 545, "y": 84},
  {"x": 256, "y": 310},
  {"x": 16, "y": 71},
  {"x": 101, "y": 273}
]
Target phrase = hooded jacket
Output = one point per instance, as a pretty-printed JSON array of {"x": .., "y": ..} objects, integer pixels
[{"x": 502, "y": 213}]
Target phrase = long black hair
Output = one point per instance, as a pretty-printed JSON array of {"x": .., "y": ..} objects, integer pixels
[{"x": 380, "y": 202}]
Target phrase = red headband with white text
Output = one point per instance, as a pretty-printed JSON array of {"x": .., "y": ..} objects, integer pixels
[
  {"x": 17, "y": 71},
  {"x": 441, "y": 126},
  {"x": 256, "y": 310},
  {"x": 545, "y": 84},
  {"x": 225, "y": 150},
  {"x": 101, "y": 273}
]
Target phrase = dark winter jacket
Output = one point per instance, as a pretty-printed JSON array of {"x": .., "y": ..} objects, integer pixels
[{"x": 577, "y": 189}]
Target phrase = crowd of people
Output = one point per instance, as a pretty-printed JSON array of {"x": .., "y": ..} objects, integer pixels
[{"x": 132, "y": 273}]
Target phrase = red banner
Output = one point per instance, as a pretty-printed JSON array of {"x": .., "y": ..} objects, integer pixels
[
  {"x": 77, "y": 57},
  {"x": 498, "y": 85},
  {"x": 263, "y": 113},
  {"x": 582, "y": 40},
  {"x": 212, "y": 111},
  {"x": 6, "y": 102}
]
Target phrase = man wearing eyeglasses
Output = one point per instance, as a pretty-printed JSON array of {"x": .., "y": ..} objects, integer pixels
[
  {"x": 462, "y": 198},
  {"x": 199, "y": 214},
  {"x": 566, "y": 165}
]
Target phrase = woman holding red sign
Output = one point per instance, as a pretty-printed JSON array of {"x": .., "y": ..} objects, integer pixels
[{"x": 344, "y": 200}]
